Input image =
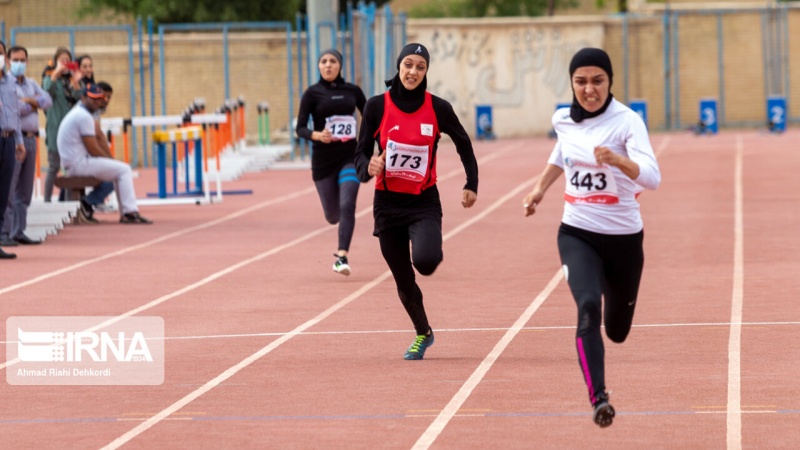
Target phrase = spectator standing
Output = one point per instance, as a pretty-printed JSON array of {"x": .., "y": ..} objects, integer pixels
[
  {"x": 63, "y": 85},
  {"x": 11, "y": 146},
  {"x": 31, "y": 99}
]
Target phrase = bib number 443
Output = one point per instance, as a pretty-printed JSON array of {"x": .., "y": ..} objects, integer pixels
[{"x": 589, "y": 181}]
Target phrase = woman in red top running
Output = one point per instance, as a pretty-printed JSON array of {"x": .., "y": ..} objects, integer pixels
[{"x": 406, "y": 122}]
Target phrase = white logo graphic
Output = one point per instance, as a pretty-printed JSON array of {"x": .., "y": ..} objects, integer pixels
[
  {"x": 426, "y": 129},
  {"x": 396, "y": 127},
  {"x": 566, "y": 271},
  {"x": 419, "y": 49},
  {"x": 84, "y": 350},
  {"x": 77, "y": 346},
  {"x": 40, "y": 346}
]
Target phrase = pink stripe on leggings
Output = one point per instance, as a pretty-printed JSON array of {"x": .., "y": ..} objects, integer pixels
[{"x": 585, "y": 366}]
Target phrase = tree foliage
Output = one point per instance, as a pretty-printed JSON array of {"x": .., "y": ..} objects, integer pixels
[
  {"x": 197, "y": 11},
  {"x": 486, "y": 8}
]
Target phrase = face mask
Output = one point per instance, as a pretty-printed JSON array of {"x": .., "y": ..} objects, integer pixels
[
  {"x": 18, "y": 68},
  {"x": 2, "y": 61}
]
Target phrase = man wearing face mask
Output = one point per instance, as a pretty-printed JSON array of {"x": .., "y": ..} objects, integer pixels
[
  {"x": 11, "y": 146},
  {"x": 31, "y": 99}
]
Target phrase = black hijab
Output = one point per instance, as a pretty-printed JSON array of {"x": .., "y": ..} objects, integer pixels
[
  {"x": 409, "y": 100},
  {"x": 338, "y": 80},
  {"x": 589, "y": 57}
]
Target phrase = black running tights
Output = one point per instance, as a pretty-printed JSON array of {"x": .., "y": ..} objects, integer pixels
[
  {"x": 338, "y": 194},
  {"x": 426, "y": 253},
  {"x": 598, "y": 268}
]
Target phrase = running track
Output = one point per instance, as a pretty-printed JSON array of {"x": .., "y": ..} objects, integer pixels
[{"x": 268, "y": 348}]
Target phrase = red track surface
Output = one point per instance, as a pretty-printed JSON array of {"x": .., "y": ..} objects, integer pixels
[{"x": 268, "y": 348}]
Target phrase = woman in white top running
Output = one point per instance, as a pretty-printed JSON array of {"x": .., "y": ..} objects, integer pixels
[{"x": 604, "y": 151}]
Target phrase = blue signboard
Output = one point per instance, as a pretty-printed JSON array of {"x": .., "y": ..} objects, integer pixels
[
  {"x": 483, "y": 122},
  {"x": 640, "y": 108},
  {"x": 776, "y": 114},
  {"x": 708, "y": 116}
]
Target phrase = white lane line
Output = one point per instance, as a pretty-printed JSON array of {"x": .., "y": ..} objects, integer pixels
[
  {"x": 448, "y": 330},
  {"x": 441, "y": 421},
  {"x": 155, "y": 241},
  {"x": 197, "y": 284},
  {"x": 219, "y": 379},
  {"x": 231, "y": 216},
  {"x": 229, "y": 269},
  {"x": 734, "y": 425}
]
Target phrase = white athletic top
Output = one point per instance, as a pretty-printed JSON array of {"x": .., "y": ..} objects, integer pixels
[
  {"x": 77, "y": 123},
  {"x": 598, "y": 197}
]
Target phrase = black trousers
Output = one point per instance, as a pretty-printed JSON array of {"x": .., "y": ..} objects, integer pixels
[
  {"x": 425, "y": 237},
  {"x": 600, "y": 268},
  {"x": 8, "y": 162}
]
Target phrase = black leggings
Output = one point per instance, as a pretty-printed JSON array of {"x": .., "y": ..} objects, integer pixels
[
  {"x": 426, "y": 253},
  {"x": 338, "y": 194},
  {"x": 600, "y": 266}
]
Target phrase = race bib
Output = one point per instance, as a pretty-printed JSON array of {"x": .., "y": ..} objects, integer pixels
[
  {"x": 589, "y": 183},
  {"x": 343, "y": 128},
  {"x": 409, "y": 162}
]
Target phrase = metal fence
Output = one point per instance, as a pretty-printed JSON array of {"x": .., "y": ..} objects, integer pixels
[
  {"x": 111, "y": 49},
  {"x": 672, "y": 58},
  {"x": 368, "y": 39},
  {"x": 737, "y": 57},
  {"x": 161, "y": 71}
]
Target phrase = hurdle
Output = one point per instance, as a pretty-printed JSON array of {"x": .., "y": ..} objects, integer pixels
[{"x": 201, "y": 192}]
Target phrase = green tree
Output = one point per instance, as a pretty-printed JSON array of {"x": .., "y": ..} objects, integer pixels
[
  {"x": 487, "y": 8},
  {"x": 180, "y": 11},
  {"x": 622, "y": 5},
  {"x": 198, "y": 11}
]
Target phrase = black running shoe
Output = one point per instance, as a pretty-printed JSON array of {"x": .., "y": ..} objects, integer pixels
[
  {"x": 134, "y": 217},
  {"x": 603, "y": 412},
  {"x": 86, "y": 213}
]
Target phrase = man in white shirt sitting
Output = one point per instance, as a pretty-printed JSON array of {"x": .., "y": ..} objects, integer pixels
[{"x": 82, "y": 155}]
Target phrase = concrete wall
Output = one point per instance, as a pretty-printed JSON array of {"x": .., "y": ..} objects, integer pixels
[{"x": 518, "y": 66}]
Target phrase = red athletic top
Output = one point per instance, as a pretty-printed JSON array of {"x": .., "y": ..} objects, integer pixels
[{"x": 408, "y": 140}]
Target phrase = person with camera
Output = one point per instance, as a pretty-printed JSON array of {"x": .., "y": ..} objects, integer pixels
[{"x": 61, "y": 80}]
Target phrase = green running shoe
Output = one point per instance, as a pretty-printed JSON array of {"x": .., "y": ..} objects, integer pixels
[{"x": 417, "y": 349}]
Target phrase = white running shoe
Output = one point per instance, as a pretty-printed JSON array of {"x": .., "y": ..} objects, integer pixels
[{"x": 341, "y": 266}]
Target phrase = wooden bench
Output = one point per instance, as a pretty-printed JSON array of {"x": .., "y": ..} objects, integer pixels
[{"x": 75, "y": 187}]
